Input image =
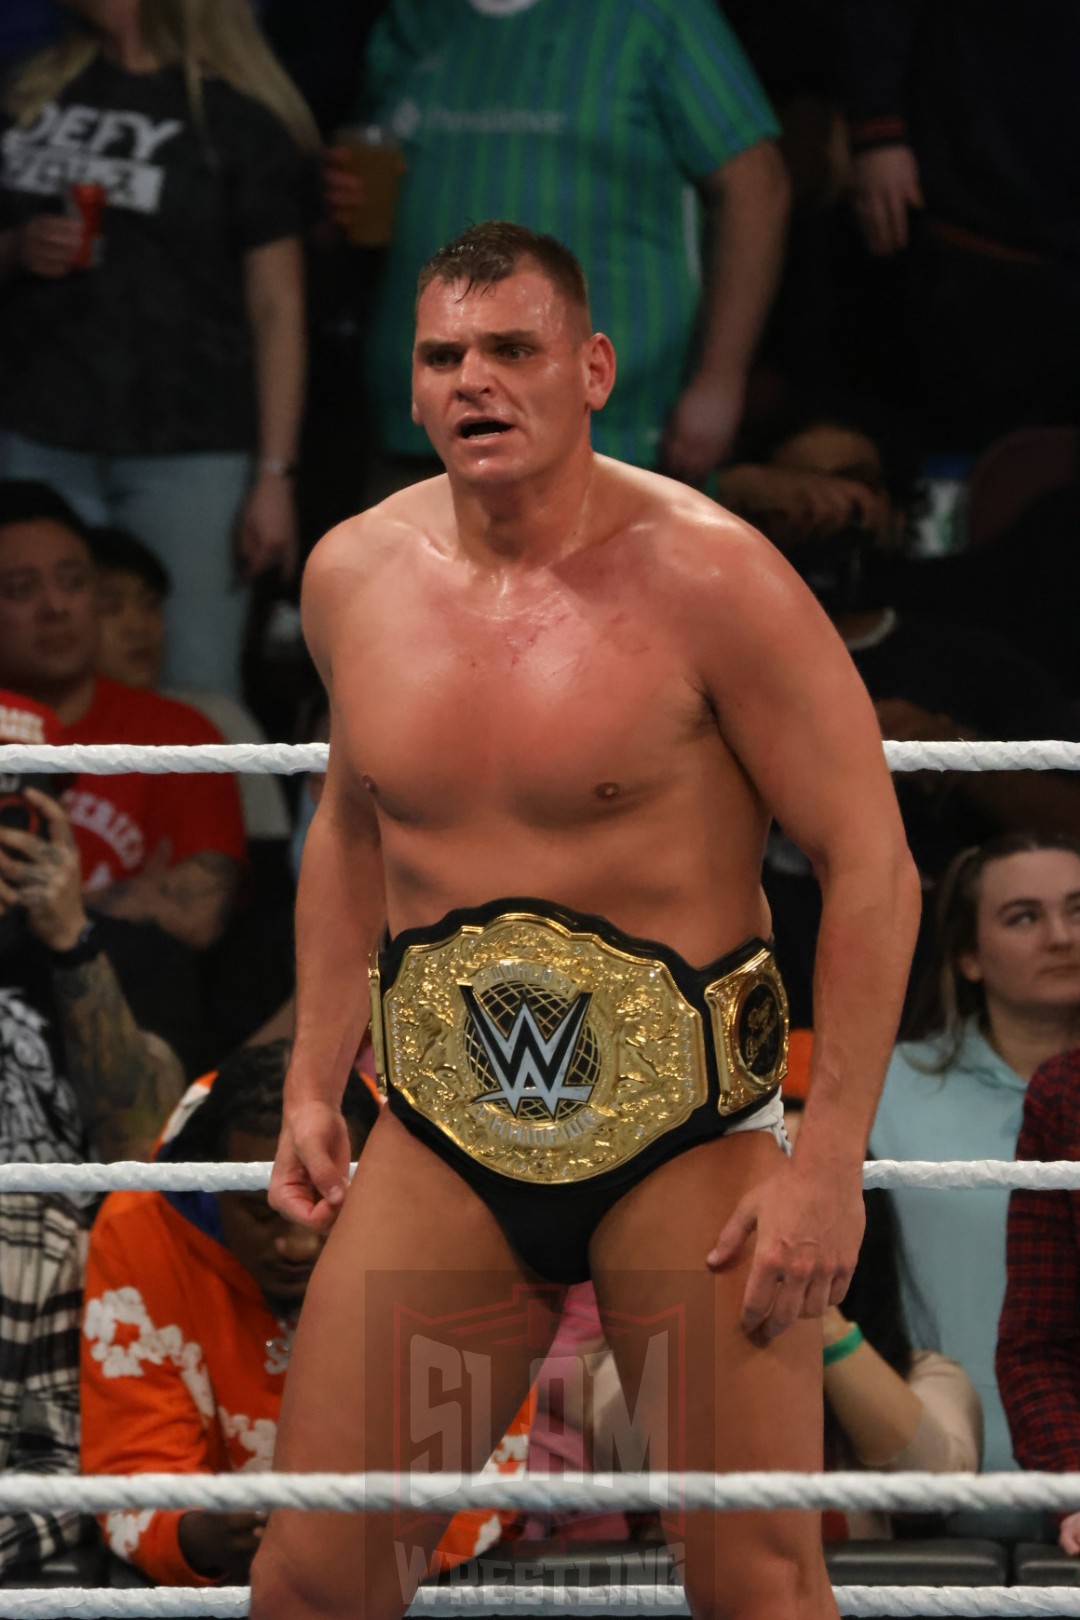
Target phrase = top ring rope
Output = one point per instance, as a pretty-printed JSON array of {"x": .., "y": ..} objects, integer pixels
[
  {"x": 132, "y": 1175},
  {"x": 261, "y": 759}
]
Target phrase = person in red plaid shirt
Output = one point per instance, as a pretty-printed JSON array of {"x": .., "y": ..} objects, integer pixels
[{"x": 1038, "y": 1352}]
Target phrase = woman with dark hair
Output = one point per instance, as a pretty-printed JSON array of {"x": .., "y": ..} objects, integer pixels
[{"x": 1001, "y": 995}]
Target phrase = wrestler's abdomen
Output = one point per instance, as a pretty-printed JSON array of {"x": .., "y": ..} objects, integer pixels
[{"x": 567, "y": 756}]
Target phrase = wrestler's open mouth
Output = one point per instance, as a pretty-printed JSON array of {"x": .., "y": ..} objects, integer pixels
[{"x": 482, "y": 427}]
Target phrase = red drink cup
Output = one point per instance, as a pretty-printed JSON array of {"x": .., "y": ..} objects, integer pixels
[{"x": 86, "y": 202}]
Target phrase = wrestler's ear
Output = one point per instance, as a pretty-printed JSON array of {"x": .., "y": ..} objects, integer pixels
[{"x": 598, "y": 358}]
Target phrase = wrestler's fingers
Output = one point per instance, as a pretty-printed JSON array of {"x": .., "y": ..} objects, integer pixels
[
  {"x": 309, "y": 1191},
  {"x": 763, "y": 1288},
  {"x": 841, "y": 1282},
  {"x": 787, "y": 1308},
  {"x": 733, "y": 1239},
  {"x": 816, "y": 1299}
]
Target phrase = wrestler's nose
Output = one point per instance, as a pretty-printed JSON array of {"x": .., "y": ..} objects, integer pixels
[{"x": 474, "y": 373}]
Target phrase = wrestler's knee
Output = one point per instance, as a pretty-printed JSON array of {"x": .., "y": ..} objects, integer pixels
[
  {"x": 281, "y": 1589},
  {"x": 288, "y": 1588},
  {"x": 761, "y": 1589}
]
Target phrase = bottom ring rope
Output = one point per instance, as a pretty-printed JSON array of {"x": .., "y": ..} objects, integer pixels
[{"x": 443, "y": 1602}]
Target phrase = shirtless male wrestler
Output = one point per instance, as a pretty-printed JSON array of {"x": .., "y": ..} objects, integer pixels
[{"x": 566, "y": 697}]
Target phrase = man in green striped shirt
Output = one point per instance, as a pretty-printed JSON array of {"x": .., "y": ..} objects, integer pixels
[{"x": 621, "y": 127}]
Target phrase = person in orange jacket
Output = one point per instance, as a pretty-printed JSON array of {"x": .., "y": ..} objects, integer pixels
[{"x": 192, "y": 1301}]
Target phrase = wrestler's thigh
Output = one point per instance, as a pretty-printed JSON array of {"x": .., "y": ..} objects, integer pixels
[
  {"x": 413, "y": 1352},
  {"x": 701, "y": 1394}
]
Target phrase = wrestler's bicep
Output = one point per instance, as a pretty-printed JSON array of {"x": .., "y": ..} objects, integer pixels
[
  {"x": 332, "y": 590},
  {"x": 794, "y": 711}
]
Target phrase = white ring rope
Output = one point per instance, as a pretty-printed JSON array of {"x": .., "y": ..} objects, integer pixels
[
  {"x": 131, "y": 1175},
  {"x": 373, "y": 1491},
  {"x": 444, "y": 1602},
  {"x": 377, "y": 1492},
  {"x": 258, "y": 759}
]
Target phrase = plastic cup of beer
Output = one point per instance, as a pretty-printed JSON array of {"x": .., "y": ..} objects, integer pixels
[{"x": 373, "y": 155}]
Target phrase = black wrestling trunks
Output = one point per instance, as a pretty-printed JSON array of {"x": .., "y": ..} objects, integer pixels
[{"x": 554, "y": 1061}]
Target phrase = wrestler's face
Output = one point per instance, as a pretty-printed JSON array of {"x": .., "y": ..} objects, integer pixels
[
  {"x": 279, "y": 1254},
  {"x": 48, "y": 608},
  {"x": 505, "y": 377},
  {"x": 1027, "y": 933}
]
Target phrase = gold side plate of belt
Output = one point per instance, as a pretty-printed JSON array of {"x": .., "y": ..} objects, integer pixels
[{"x": 551, "y": 1055}]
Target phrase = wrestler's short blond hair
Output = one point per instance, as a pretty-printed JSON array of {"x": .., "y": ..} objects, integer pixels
[{"x": 497, "y": 249}]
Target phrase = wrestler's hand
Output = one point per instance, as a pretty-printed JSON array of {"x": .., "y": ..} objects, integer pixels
[
  {"x": 217, "y": 1544},
  {"x": 311, "y": 1171},
  {"x": 807, "y": 1229}
]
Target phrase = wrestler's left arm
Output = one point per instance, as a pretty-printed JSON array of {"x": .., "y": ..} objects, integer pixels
[{"x": 799, "y": 720}]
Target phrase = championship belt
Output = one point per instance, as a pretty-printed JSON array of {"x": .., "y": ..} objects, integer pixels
[{"x": 550, "y": 1047}]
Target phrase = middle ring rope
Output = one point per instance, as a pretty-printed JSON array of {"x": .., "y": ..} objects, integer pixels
[
  {"x": 132, "y": 1175},
  {"x": 377, "y": 1492}
]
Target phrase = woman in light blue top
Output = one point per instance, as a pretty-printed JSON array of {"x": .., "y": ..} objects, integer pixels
[{"x": 1002, "y": 994}]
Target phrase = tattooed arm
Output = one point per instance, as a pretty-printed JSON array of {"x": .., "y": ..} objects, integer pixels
[
  {"x": 127, "y": 1081},
  {"x": 191, "y": 901}
]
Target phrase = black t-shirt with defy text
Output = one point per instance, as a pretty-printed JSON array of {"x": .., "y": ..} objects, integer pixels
[{"x": 149, "y": 352}]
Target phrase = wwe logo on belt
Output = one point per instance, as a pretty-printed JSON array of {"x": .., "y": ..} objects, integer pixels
[{"x": 525, "y": 1064}]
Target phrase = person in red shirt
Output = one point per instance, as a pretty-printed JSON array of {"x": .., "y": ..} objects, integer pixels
[{"x": 161, "y": 849}]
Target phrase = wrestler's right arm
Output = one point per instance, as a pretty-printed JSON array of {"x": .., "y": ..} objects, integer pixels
[{"x": 340, "y": 912}]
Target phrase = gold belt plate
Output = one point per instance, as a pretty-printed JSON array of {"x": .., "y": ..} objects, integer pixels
[
  {"x": 547, "y": 1055},
  {"x": 749, "y": 1009}
]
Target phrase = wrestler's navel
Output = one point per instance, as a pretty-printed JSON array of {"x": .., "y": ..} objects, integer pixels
[{"x": 606, "y": 790}]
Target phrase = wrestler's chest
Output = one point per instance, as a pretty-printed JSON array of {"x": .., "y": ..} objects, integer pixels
[{"x": 541, "y": 719}]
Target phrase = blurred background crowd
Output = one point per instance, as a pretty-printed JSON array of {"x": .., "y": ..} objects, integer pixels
[{"x": 836, "y": 244}]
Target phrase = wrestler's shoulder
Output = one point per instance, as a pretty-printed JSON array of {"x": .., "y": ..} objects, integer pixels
[
  {"x": 689, "y": 534},
  {"x": 380, "y": 535}
]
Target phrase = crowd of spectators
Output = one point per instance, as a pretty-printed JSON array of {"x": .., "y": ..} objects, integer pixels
[{"x": 836, "y": 244}]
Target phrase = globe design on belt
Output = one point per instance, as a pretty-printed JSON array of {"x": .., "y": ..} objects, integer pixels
[{"x": 532, "y": 1049}]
